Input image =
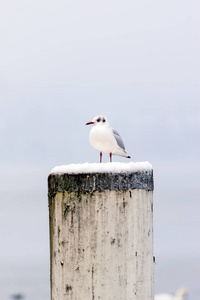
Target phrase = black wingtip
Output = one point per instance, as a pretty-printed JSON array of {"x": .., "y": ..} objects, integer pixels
[{"x": 128, "y": 157}]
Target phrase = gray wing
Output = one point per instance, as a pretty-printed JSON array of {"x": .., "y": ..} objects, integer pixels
[{"x": 118, "y": 139}]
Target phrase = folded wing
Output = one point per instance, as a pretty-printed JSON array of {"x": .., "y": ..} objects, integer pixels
[{"x": 118, "y": 139}]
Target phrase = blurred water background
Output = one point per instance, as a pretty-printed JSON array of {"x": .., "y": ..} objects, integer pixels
[{"x": 61, "y": 64}]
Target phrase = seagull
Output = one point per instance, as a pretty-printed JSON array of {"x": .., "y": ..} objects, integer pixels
[
  {"x": 180, "y": 295},
  {"x": 105, "y": 139}
]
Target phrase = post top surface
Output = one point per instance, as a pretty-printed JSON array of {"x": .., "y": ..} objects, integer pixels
[{"x": 91, "y": 168}]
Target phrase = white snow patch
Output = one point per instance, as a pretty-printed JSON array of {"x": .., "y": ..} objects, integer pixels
[{"x": 114, "y": 167}]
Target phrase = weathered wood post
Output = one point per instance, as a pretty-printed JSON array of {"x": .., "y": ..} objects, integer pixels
[{"x": 101, "y": 231}]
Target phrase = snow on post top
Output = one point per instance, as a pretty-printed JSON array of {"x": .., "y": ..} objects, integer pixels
[{"x": 114, "y": 167}]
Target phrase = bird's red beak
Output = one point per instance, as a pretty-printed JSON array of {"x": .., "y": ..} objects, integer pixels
[{"x": 89, "y": 123}]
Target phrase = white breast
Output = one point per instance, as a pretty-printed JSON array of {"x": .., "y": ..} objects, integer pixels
[{"x": 102, "y": 139}]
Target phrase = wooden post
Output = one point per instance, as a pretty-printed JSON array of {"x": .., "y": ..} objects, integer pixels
[{"x": 101, "y": 234}]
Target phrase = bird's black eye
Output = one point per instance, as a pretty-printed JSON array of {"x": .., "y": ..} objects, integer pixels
[
  {"x": 103, "y": 120},
  {"x": 99, "y": 119}
]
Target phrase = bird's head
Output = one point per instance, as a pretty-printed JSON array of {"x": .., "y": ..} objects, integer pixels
[{"x": 98, "y": 120}]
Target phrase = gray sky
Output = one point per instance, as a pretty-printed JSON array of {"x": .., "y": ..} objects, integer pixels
[{"x": 64, "y": 62}]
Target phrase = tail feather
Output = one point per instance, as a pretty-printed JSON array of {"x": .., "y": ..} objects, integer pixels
[{"x": 121, "y": 152}]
